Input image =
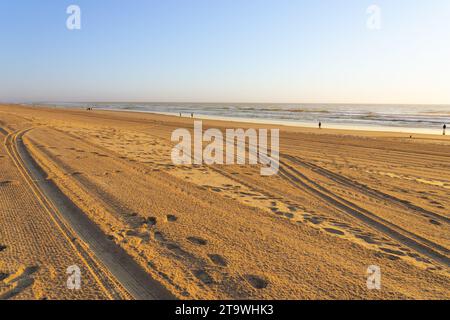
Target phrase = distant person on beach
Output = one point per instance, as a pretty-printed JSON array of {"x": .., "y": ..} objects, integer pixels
[
  {"x": 192, "y": 115},
  {"x": 180, "y": 114},
  {"x": 320, "y": 125},
  {"x": 444, "y": 127}
]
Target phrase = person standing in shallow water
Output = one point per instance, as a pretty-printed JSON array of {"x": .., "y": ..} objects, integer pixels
[
  {"x": 444, "y": 128},
  {"x": 320, "y": 125}
]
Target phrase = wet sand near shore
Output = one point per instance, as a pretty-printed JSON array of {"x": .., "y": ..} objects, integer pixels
[{"x": 342, "y": 201}]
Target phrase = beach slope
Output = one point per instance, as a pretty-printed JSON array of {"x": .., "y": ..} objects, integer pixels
[{"x": 342, "y": 201}]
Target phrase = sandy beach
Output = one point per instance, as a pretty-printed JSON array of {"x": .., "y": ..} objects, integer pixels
[{"x": 98, "y": 189}]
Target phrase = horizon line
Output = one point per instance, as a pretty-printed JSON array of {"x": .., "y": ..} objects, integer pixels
[{"x": 233, "y": 102}]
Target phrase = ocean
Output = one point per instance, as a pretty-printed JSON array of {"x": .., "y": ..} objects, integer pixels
[{"x": 397, "y": 118}]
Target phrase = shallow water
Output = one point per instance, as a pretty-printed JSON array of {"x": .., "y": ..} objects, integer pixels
[{"x": 400, "y": 118}]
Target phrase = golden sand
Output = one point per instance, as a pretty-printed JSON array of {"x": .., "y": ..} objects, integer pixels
[{"x": 342, "y": 201}]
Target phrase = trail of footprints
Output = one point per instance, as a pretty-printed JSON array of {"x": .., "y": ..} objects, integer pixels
[
  {"x": 146, "y": 230},
  {"x": 385, "y": 247},
  {"x": 279, "y": 206}
]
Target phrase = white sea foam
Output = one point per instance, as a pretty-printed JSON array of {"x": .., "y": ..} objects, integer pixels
[{"x": 400, "y": 118}]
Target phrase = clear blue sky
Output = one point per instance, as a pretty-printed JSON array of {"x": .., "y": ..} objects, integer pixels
[{"x": 226, "y": 50}]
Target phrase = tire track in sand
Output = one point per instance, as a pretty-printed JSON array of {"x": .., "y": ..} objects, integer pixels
[
  {"x": 301, "y": 182},
  {"x": 119, "y": 275},
  {"x": 413, "y": 241},
  {"x": 367, "y": 190}
]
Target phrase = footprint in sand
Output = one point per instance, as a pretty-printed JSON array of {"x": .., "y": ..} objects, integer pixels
[
  {"x": 3, "y": 276},
  {"x": 150, "y": 221},
  {"x": 175, "y": 248},
  {"x": 314, "y": 220},
  {"x": 334, "y": 231},
  {"x": 218, "y": 260},
  {"x": 256, "y": 282},
  {"x": 197, "y": 241},
  {"x": 2, "y": 247},
  {"x": 276, "y": 211},
  {"x": 367, "y": 238},
  {"x": 17, "y": 288},
  {"x": 158, "y": 236},
  {"x": 203, "y": 276},
  {"x": 393, "y": 252},
  {"x": 6, "y": 183},
  {"x": 171, "y": 218},
  {"x": 436, "y": 223},
  {"x": 19, "y": 281},
  {"x": 341, "y": 224}
]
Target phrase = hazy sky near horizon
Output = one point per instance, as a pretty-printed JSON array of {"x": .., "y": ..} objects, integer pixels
[{"x": 310, "y": 51}]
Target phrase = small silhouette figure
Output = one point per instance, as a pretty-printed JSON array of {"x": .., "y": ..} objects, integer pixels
[
  {"x": 320, "y": 125},
  {"x": 444, "y": 127},
  {"x": 192, "y": 115},
  {"x": 180, "y": 114}
]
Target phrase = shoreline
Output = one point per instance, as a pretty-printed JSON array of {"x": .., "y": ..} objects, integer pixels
[
  {"x": 287, "y": 124},
  {"x": 299, "y": 124}
]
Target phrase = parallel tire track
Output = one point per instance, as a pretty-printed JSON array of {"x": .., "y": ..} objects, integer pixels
[
  {"x": 423, "y": 246},
  {"x": 367, "y": 190},
  {"x": 115, "y": 271},
  {"x": 426, "y": 247},
  {"x": 107, "y": 284}
]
